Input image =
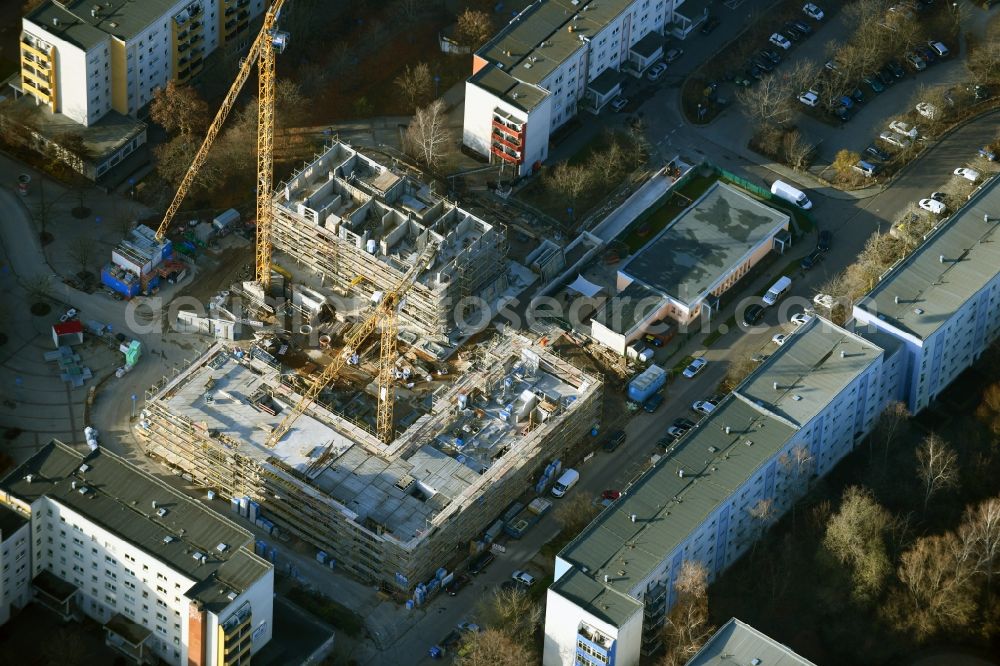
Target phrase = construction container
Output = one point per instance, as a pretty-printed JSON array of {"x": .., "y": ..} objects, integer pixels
[
  {"x": 526, "y": 519},
  {"x": 244, "y": 506},
  {"x": 512, "y": 511},
  {"x": 272, "y": 554},
  {"x": 234, "y": 504},
  {"x": 494, "y": 531},
  {"x": 226, "y": 221},
  {"x": 321, "y": 556},
  {"x": 539, "y": 506},
  {"x": 120, "y": 280},
  {"x": 646, "y": 384},
  {"x": 252, "y": 510},
  {"x": 260, "y": 548}
]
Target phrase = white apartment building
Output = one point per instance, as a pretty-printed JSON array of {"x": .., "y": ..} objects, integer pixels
[
  {"x": 15, "y": 562},
  {"x": 793, "y": 418},
  {"x": 737, "y": 642},
  {"x": 943, "y": 300},
  {"x": 555, "y": 56},
  {"x": 167, "y": 578},
  {"x": 84, "y": 59}
]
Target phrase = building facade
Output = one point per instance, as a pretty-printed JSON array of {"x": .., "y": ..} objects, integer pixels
[
  {"x": 553, "y": 58},
  {"x": 942, "y": 302},
  {"x": 84, "y": 59},
  {"x": 166, "y": 577},
  {"x": 737, "y": 642},
  {"x": 15, "y": 561},
  {"x": 798, "y": 414}
]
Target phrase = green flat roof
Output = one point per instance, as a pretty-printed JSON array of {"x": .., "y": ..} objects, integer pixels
[
  {"x": 120, "y": 497},
  {"x": 605, "y": 603},
  {"x": 737, "y": 642},
  {"x": 632, "y": 305},
  {"x": 10, "y": 522},
  {"x": 929, "y": 290},
  {"x": 701, "y": 245},
  {"x": 524, "y": 96},
  {"x": 823, "y": 360},
  {"x": 119, "y": 18}
]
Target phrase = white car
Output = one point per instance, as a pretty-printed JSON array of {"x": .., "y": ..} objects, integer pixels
[
  {"x": 779, "y": 339},
  {"x": 812, "y": 11},
  {"x": 703, "y": 406},
  {"x": 968, "y": 174},
  {"x": 928, "y": 110},
  {"x": 523, "y": 577},
  {"x": 69, "y": 314},
  {"x": 656, "y": 71},
  {"x": 824, "y": 301},
  {"x": 907, "y": 130},
  {"x": 619, "y": 103},
  {"x": 809, "y": 98},
  {"x": 800, "y": 319},
  {"x": 779, "y": 40},
  {"x": 895, "y": 139},
  {"x": 933, "y": 206},
  {"x": 696, "y": 366}
]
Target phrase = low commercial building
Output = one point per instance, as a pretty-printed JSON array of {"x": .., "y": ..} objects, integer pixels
[
  {"x": 391, "y": 514},
  {"x": 552, "y": 58},
  {"x": 167, "y": 578},
  {"x": 681, "y": 273},
  {"x": 737, "y": 642},
  {"x": 754, "y": 455},
  {"x": 942, "y": 302}
]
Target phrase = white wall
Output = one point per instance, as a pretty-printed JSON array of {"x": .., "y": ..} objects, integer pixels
[
  {"x": 562, "y": 622},
  {"x": 15, "y": 579},
  {"x": 77, "y": 72},
  {"x": 477, "y": 126}
]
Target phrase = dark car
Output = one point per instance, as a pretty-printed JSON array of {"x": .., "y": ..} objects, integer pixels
[
  {"x": 927, "y": 54},
  {"x": 665, "y": 442},
  {"x": 653, "y": 403},
  {"x": 877, "y": 153},
  {"x": 843, "y": 113},
  {"x": 825, "y": 238},
  {"x": 456, "y": 584},
  {"x": 811, "y": 259},
  {"x": 885, "y": 76},
  {"x": 754, "y": 71},
  {"x": 482, "y": 561},
  {"x": 873, "y": 84},
  {"x": 753, "y": 314},
  {"x": 710, "y": 24},
  {"x": 915, "y": 61},
  {"x": 763, "y": 63},
  {"x": 770, "y": 55},
  {"x": 683, "y": 423},
  {"x": 792, "y": 33},
  {"x": 802, "y": 27},
  {"x": 896, "y": 69},
  {"x": 857, "y": 95},
  {"x": 614, "y": 440}
]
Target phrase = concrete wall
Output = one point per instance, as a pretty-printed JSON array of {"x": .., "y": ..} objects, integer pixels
[
  {"x": 562, "y": 623},
  {"x": 15, "y": 561}
]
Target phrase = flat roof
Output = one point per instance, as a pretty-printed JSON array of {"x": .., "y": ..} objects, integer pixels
[
  {"x": 703, "y": 244},
  {"x": 524, "y": 96},
  {"x": 629, "y": 307},
  {"x": 118, "y": 18},
  {"x": 121, "y": 498},
  {"x": 605, "y": 603},
  {"x": 814, "y": 365},
  {"x": 10, "y": 522},
  {"x": 737, "y": 642},
  {"x": 100, "y": 139},
  {"x": 648, "y": 45},
  {"x": 929, "y": 290}
]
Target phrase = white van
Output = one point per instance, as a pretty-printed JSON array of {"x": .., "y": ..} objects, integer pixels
[
  {"x": 792, "y": 195},
  {"x": 565, "y": 482},
  {"x": 777, "y": 290}
]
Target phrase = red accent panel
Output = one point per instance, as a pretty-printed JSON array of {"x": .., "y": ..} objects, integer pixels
[{"x": 196, "y": 636}]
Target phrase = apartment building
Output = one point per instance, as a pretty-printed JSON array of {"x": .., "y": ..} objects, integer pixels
[
  {"x": 943, "y": 300},
  {"x": 83, "y": 59},
  {"x": 555, "y": 57},
  {"x": 791, "y": 420},
  {"x": 737, "y": 642},
  {"x": 166, "y": 577},
  {"x": 15, "y": 562}
]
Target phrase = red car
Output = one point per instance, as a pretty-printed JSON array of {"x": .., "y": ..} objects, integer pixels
[{"x": 611, "y": 494}]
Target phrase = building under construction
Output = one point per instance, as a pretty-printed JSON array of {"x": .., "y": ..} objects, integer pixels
[
  {"x": 360, "y": 225},
  {"x": 390, "y": 513}
]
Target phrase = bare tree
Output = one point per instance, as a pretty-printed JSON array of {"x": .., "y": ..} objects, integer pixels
[
  {"x": 797, "y": 466},
  {"x": 983, "y": 61},
  {"x": 427, "y": 138},
  {"x": 688, "y": 625},
  {"x": 39, "y": 287},
  {"x": 936, "y": 574},
  {"x": 493, "y": 647},
  {"x": 988, "y": 410},
  {"x": 980, "y": 531},
  {"x": 937, "y": 466},
  {"x": 178, "y": 108},
  {"x": 474, "y": 28},
  {"x": 843, "y": 164},
  {"x": 513, "y": 612},
  {"x": 797, "y": 151},
  {"x": 82, "y": 252},
  {"x": 575, "y": 514},
  {"x": 739, "y": 368},
  {"x": 762, "y": 514},
  {"x": 893, "y": 423},
  {"x": 770, "y": 102},
  {"x": 568, "y": 180},
  {"x": 415, "y": 83},
  {"x": 856, "y": 538},
  {"x": 174, "y": 158}
]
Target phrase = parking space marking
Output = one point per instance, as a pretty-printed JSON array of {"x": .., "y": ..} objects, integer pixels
[{"x": 733, "y": 4}]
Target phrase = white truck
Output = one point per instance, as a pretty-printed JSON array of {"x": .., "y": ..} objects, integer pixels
[
  {"x": 566, "y": 481},
  {"x": 792, "y": 195}
]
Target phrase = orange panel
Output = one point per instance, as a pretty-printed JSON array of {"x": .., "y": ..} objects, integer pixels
[
  {"x": 478, "y": 63},
  {"x": 196, "y": 636}
]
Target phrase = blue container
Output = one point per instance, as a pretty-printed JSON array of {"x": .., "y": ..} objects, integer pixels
[
  {"x": 244, "y": 506},
  {"x": 441, "y": 573},
  {"x": 253, "y": 509},
  {"x": 234, "y": 504},
  {"x": 168, "y": 249},
  {"x": 261, "y": 548},
  {"x": 128, "y": 289},
  {"x": 272, "y": 554},
  {"x": 409, "y": 604}
]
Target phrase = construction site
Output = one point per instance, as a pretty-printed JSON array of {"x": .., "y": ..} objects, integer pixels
[
  {"x": 361, "y": 226},
  {"x": 390, "y": 513}
]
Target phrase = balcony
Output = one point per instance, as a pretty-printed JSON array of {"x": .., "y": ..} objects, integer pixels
[
  {"x": 507, "y": 129},
  {"x": 501, "y": 139}
]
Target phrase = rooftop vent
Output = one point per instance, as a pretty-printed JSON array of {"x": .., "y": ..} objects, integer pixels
[
  {"x": 161, "y": 512},
  {"x": 83, "y": 490},
  {"x": 83, "y": 469},
  {"x": 170, "y": 538},
  {"x": 843, "y": 353},
  {"x": 113, "y": 24},
  {"x": 728, "y": 430},
  {"x": 197, "y": 555},
  {"x": 918, "y": 311},
  {"x": 231, "y": 596},
  {"x": 29, "y": 478},
  {"x": 796, "y": 397},
  {"x": 222, "y": 547},
  {"x": 748, "y": 442},
  {"x": 680, "y": 473},
  {"x": 605, "y": 578},
  {"x": 632, "y": 517},
  {"x": 55, "y": 21},
  {"x": 775, "y": 386},
  {"x": 895, "y": 299},
  {"x": 755, "y": 661},
  {"x": 941, "y": 258}
]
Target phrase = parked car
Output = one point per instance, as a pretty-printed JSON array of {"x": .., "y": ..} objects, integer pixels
[
  {"x": 987, "y": 153},
  {"x": 885, "y": 77},
  {"x": 824, "y": 301},
  {"x": 611, "y": 494},
  {"x": 619, "y": 104},
  {"x": 803, "y": 27},
  {"x": 653, "y": 340},
  {"x": 482, "y": 561},
  {"x": 467, "y": 627},
  {"x": 656, "y": 71},
  {"x": 939, "y": 48},
  {"x": 811, "y": 259},
  {"x": 843, "y": 113},
  {"x": 456, "y": 584},
  {"x": 877, "y": 153},
  {"x": 704, "y": 406},
  {"x": 754, "y": 72},
  {"x": 813, "y": 11},
  {"x": 780, "y": 40},
  {"x": 873, "y": 83},
  {"x": 809, "y": 98},
  {"x": 867, "y": 169},
  {"x": 832, "y": 65},
  {"x": 672, "y": 55},
  {"x": 914, "y": 60},
  {"x": 752, "y": 314},
  {"x": 933, "y": 206},
  {"x": 857, "y": 95},
  {"x": 652, "y": 403},
  {"x": 800, "y": 319},
  {"x": 779, "y": 338},
  {"x": 894, "y": 139},
  {"x": 968, "y": 174},
  {"x": 665, "y": 442},
  {"x": 939, "y": 196},
  {"x": 696, "y": 366},
  {"x": 523, "y": 577},
  {"x": 929, "y": 55},
  {"x": 906, "y": 129},
  {"x": 772, "y": 55},
  {"x": 614, "y": 440},
  {"x": 979, "y": 92},
  {"x": 792, "y": 31},
  {"x": 928, "y": 110},
  {"x": 69, "y": 314},
  {"x": 824, "y": 241},
  {"x": 764, "y": 63},
  {"x": 896, "y": 69},
  {"x": 710, "y": 24}
]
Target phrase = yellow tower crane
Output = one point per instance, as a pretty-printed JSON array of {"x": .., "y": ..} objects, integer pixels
[
  {"x": 385, "y": 313},
  {"x": 262, "y": 51}
]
